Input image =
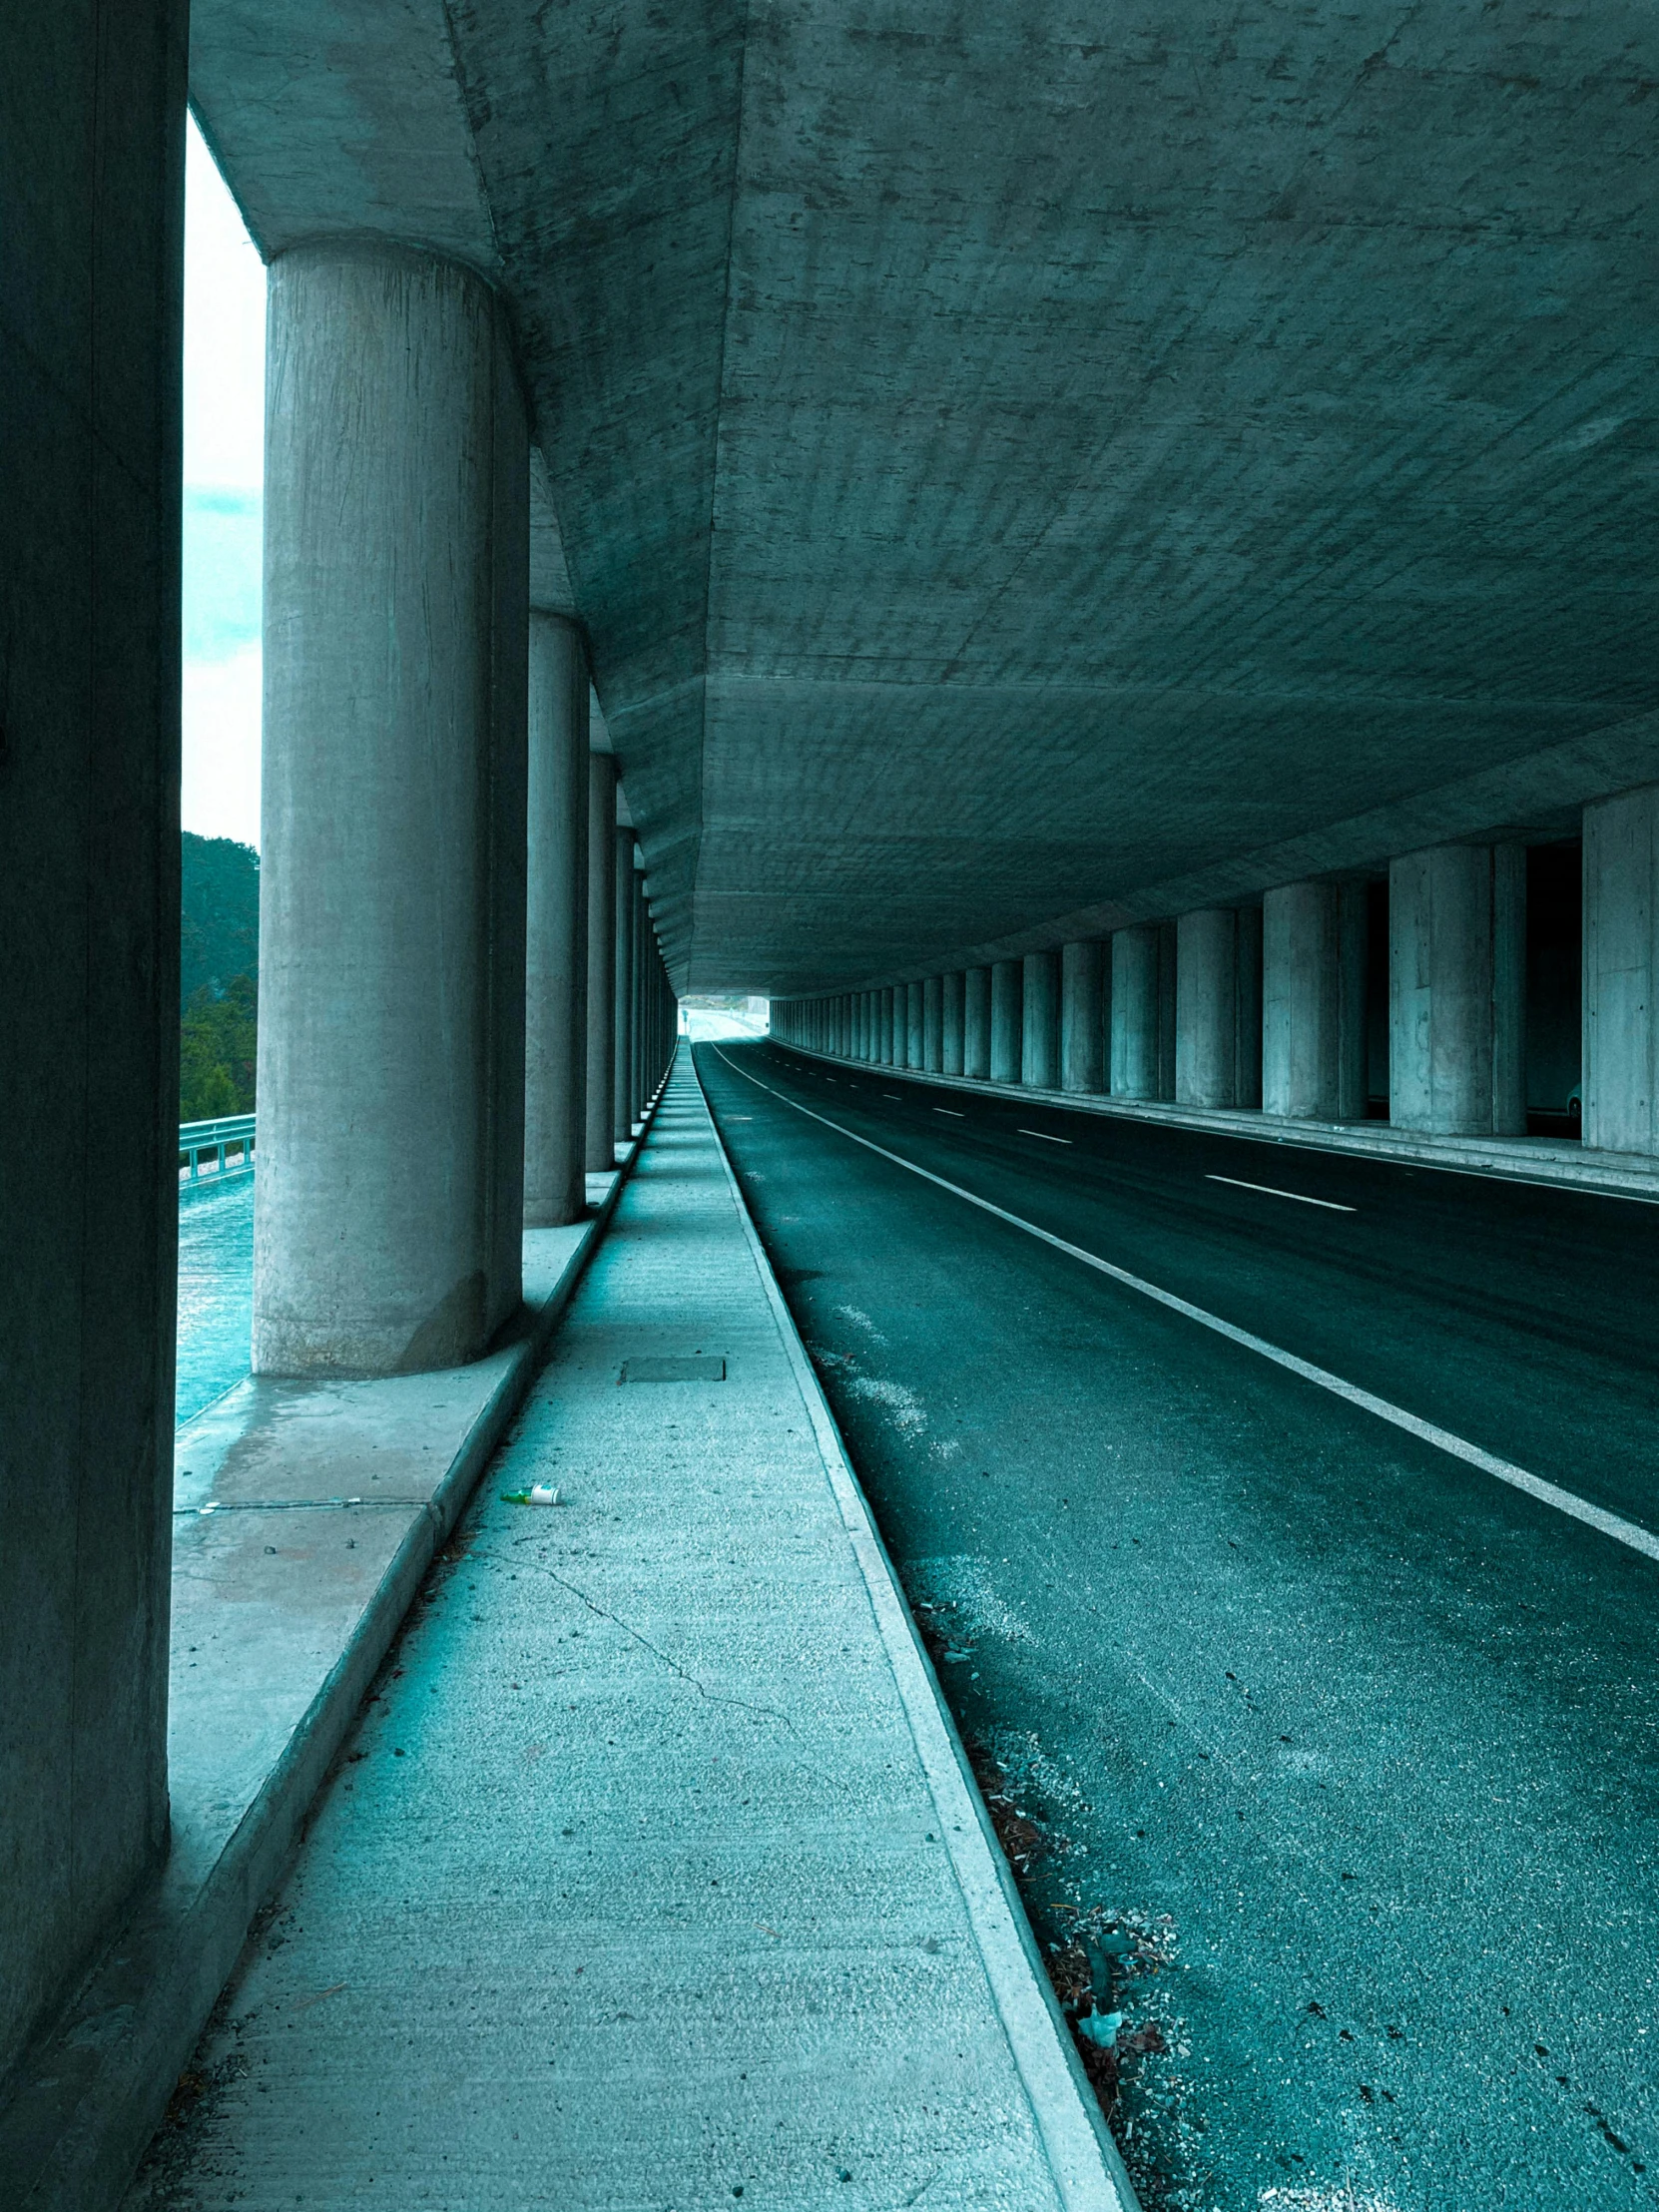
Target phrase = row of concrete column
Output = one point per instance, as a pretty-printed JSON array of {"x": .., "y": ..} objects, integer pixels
[
  {"x": 1265, "y": 1006},
  {"x": 462, "y": 1002}
]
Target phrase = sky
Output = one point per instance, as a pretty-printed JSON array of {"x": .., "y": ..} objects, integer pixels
[{"x": 224, "y": 488}]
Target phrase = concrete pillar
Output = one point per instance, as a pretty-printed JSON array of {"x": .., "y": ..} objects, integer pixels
[
  {"x": 1083, "y": 1016},
  {"x": 933, "y": 1024},
  {"x": 598, "y": 1112},
  {"x": 388, "y": 1202},
  {"x": 1135, "y": 1011},
  {"x": 1007, "y": 1021},
  {"x": 1206, "y": 1008},
  {"x": 977, "y": 1023},
  {"x": 916, "y": 1016},
  {"x": 1247, "y": 923},
  {"x": 622, "y": 1096},
  {"x": 1040, "y": 1056},
  {"x": 1456, "y": 999},
  {"x": 950, "y": 1023},
  {"x": 1621, "y": 972},
  {"x": 1168, "y": 959},
  {"x": 92, "y": 208},
  {"x": 1314, "y": 1001},
  {"x": 556, "y": 957}
]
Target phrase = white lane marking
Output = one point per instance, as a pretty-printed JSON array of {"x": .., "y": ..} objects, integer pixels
[
  {"x": 1547, "y": 1494},
  {"x": 894, "y": 1095},
  {"x": 1044, "y": 1133},
  {"x": 951, "y": 1111},
  {"x": 1301, "y": 1196}
]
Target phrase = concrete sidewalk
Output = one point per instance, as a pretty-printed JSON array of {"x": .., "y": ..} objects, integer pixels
[{"x": 651, "y": 1875}]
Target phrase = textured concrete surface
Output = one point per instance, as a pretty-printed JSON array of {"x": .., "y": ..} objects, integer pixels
[
  {"x": 1359, "y": 1740},
  {"x": 304, "y": 1517},
  {"x": 635, "y": 1885},
  {"x": 92, "y": 151},
  {"x": 1012, "y": 466}
]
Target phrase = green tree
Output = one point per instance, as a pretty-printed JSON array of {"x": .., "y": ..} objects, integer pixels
[{"x": 217, "y": 1051}]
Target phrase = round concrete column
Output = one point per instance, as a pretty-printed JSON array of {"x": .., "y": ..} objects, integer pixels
[
  {"x": 933, "y": 1024},
  {"x": 387, "y": 1223},
  {"x": 622, "y": 999},
  {"x": 1455, "y": 1001},
  {"x": 1083, "y": 1016},
  {"x": 556, "y": 959},
  {"x": 915, "y": 1027},
  {"x": 951, "y": 1023},
  {"x": 977, "y": 1023},
  {"x": 1301, "y": 1038},
  {"x": 1206, "y": 1008},
  {"x": 1007, "y": 1022},
  {"x": 600, "y": 1147},
  {"x": 1040, "y": 1056},
  {"x": 1135, "y": 1012}
]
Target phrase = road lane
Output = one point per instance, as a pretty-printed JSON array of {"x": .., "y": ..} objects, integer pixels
[{"x": 1368, "y": 1735}]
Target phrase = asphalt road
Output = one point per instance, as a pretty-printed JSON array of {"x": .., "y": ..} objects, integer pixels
[{"x": 1354, "y": 1738}]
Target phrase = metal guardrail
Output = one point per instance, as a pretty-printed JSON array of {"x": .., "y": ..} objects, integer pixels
[{"x": 221, "y": 1138}]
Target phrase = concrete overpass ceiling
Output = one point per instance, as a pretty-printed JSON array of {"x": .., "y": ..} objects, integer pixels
[{"x": 1007, "y": 461}]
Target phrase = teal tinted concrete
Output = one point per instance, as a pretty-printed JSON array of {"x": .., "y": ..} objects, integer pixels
[
  {"x": 651, "y": 1875},
  {"x": 305, "y": 1516}
]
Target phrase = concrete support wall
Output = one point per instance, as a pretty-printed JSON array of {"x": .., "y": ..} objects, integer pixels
[
  {"x": 1040, "y": 1056},
  {"x": 977, "y": 1023},
  {"x": 933, "y": 1024},
  {"x": 556, "y": 905},
  {"x": 1007, "y": 1021},
  {"x": 1134, "y": 1064},
  {"x": 391, "y": 987},
  {"x": 1457, "y": 1006},
  {"x": 1314, "y": 937},
  {"x": 915, "y": 1054},
  {"x": 1083, "y": 1054},
  {"x": 1621, "y": 971},
  {"x": 951, "y": 1023},
  {"x": 1206, "y": 1008},
  {"x": 92, "y": 122},
  {"x": 599, "y": 1110},
  {"x": 622, "y": 1095}
]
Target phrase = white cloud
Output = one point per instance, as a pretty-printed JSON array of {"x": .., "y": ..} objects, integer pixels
[
  {"x": 224, "y": 296},
  {"x": 220, "y": 715}
]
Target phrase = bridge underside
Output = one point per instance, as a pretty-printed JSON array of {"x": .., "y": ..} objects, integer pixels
[{"x": 1018, "y": 479}]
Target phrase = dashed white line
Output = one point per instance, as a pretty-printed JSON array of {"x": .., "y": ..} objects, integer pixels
[
  {"x": 1301, "y": 1196},
  {"x": 1457, "y": 1447},
  {"x": 951, "y": 1111},
  {"x": 1044, "y": 1133}
]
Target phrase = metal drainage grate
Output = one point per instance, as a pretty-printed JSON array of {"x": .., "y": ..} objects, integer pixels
[{"x": 698, "y": 1368}]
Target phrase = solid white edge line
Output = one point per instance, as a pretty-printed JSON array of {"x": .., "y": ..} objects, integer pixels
[
  {"x": 1547, "y": 1494},
  {"x": 1089, "y": 2174},
  {"x": 1269, "y": 1189}
]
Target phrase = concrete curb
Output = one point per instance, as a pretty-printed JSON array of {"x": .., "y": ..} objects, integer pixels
[
  {"x": 1501, "y": 1159},
  {"x": 84, "y": 2103},
  {"x": 1088, "y": 2172}
]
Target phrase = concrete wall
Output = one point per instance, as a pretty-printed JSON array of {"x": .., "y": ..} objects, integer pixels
[{"x": 91, "y": 204}]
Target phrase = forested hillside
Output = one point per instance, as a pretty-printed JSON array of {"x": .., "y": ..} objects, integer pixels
[{"x": 219, "y": 978}]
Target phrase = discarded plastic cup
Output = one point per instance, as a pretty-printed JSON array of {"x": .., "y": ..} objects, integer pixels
[{"x": 540, "y": 1493}]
